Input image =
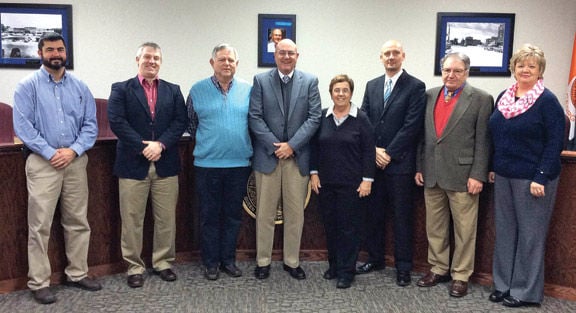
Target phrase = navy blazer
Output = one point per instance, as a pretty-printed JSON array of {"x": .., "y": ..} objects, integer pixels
[
  {"x": 131, "y": 121},
  {"x": 266, "y": 118},
  {"x": 399, "y": 125}
]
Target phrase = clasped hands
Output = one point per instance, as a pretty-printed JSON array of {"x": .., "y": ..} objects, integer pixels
[
  {"x": 62, "y": 158},
  {"x": 153, "y": 150},
  {"x": 382, "y": 158}
]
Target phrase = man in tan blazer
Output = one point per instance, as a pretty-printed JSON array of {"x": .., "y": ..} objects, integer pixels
[{"x": 452, "y": 165}]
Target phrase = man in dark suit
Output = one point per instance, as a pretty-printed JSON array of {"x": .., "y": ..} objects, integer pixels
[
  {"x": 395, "y": 104},
  {"x": 452, "y": 166},
  {"x": 148, "y": 115},
  {"x": 284, "y": 114}
]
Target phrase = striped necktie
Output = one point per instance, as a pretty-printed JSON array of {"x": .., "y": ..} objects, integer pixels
[{"x": 387, "y": 90}]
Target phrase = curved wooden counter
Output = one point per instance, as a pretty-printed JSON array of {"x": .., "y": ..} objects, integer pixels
[{"x": 105, "y": 257}]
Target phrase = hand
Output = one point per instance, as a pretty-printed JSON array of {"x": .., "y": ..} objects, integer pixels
[
  {"x": 62, "y": 158},
  {"x": 491, "y": 177},
  {"x": 382, "y": 158},
  {"x": 419, "y": 179},
  {"x": 315, "y": 183},
  {"x": 474, "y": 186},
  {"x": 537, "y": 190},
  {"x": 364, "y": 189},
  {"x": 153, "y": 150},
  {"x": 283, "y": 150}
]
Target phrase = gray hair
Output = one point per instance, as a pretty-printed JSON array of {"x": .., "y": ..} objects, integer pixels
[
  {"x": 224, "y": 46},
  {"x": 152, "y": 45},
  {"x": 460, "y": 56}
]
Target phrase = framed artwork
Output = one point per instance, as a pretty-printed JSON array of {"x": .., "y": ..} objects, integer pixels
[
  {"x": 271, "y": 29},
  {"x": 22, "y": 25},
  {"x": 486, "y": 38}
]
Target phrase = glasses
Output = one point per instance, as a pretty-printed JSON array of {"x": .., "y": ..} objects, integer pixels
[
  {"x": 456, "y": 72},
  {"x": 286, "y": 53}
]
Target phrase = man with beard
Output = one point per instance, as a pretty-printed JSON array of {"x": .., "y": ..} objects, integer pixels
[{"x": 55, "y": 117}]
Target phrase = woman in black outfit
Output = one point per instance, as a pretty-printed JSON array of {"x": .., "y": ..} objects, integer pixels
[{"x": 342, "y": 171}]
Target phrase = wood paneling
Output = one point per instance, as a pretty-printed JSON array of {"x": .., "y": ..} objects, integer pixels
[{"x": 104, "y": 217}]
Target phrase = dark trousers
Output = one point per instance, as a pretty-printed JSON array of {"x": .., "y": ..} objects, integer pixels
[
  {"x": 392, "y": 196},
  {"x": 342, "y": 211},
  {"x": 220, "y": 193}
]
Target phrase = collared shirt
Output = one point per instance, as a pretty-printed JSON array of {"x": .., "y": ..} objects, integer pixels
[
  {"x": 219, "y": 87},
  {"x": 282, "y": 75},
  {"x": 49, "y": 115},
  {"x": 443, "y": 109},
  {"x": 151, "y": 91},
  {"x": 393, "y": 78}
]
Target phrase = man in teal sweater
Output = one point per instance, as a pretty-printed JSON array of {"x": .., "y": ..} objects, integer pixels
[{"x": 218, "y": 111}]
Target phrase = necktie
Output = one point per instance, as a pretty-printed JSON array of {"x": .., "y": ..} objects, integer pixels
[
  {"x": 448, "y": 96},
  {"x": 387, "y": 90},
  {"x": 286, "y": 79}
]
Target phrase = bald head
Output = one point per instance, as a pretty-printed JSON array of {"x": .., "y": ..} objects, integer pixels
[{"x": 392, "y": 56}]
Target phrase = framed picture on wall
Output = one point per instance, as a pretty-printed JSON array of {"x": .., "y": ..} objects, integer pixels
[
  {"x": 486, "y": 38},
  {"x": 22, "y": 27},
  {"x": 271, "y": 29}
]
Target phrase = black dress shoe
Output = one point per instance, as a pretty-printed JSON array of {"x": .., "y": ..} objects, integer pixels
[
  {"x": 85, "y": 283},
  {"x": 297, "y": 272},
  {"x": 135, "y": 281},
  {"x": 403, "y": 278},
  {"x": 166, "y": 275},
  {"x": 211, "y": 273},
  {"x": 344, "y": 283},
  {"x": 262, "y": 272},
  {"x": 44, "y": 295},
  {"x": 498, "y": 296},
  {"x": 369, "y": 267},
  {"x": 514, "y": 302},
  {"x": 329, "y": 274},
  {"x": 231, "y": 269}
]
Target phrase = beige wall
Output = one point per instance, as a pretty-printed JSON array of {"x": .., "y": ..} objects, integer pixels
[{"x": 333, "y": 36}]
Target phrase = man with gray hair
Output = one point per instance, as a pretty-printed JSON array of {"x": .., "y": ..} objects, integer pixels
[
  {"x": 218, "y": 112},
  {"x": 452, "y": 165},
  {"x": 148, "y": 115}
]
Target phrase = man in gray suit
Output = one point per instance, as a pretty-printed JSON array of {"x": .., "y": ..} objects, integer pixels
[
  {"x": 452, "y": 166},
  {"x": 283, "y": 116}
]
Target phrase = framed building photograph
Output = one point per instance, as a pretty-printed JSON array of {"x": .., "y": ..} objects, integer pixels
[
  {"x": 22, "y": 25},
  {"x": 486, "y": 38},
  {"x": 271, "y": 29}
]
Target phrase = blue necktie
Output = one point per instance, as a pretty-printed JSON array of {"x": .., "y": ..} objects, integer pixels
[{"x": 387, "y": 90}]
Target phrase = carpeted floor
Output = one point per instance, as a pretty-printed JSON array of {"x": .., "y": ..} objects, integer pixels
[{"x": 374, "y": 293}]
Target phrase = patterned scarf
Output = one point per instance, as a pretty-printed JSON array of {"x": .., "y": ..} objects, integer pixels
[{"x": 510, "y": 107}]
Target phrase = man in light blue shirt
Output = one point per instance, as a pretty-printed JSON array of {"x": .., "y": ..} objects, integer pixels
[{"x": 55, "y": 117}]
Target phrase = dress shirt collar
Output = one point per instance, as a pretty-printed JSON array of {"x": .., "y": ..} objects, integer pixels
[
  {"x": 353, "y": 110},
  {"x": 289, "y": 74},
  {"x": 393, "y": 78},
  {"x": 49, "y": 77},
  {"x": 141, "y": 79}
]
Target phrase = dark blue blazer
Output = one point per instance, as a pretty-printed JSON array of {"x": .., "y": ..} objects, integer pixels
[
  {"x": 399, "y": 125},
  {"x": 131, "y": 121}
]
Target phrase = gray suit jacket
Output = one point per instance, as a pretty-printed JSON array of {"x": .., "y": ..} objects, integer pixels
[
  {"x": 266, "y": 118},
  {"x": 463, "y": 150}
]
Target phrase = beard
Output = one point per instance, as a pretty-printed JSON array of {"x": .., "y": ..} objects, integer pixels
[{"x": 49, "y": 63}]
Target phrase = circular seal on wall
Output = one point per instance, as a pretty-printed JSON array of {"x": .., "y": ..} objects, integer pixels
[{"x": 249, "y": 202}]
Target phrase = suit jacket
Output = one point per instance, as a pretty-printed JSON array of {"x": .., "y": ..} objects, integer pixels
[
  {"x": 398, "y": 125},
  {"x": 266, "y": 118},
  {"x": 463, "y": 150},
  {"x": 131, "y": 121}
]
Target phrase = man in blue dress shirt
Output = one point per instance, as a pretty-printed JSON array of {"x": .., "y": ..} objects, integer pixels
[{"x": 55, "y": 117}]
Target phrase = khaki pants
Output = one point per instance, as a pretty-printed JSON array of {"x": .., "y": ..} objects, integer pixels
[
  {"x": 463, "y": 207},
  {"x": 45, "y": 186},
  {"x": 286, "y": 184},
  {"x": 133, "y": 198}
]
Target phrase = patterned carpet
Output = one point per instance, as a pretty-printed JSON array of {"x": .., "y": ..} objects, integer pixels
[{"x": 371, "y": 293}]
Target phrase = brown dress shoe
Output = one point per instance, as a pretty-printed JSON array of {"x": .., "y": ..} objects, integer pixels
[
  {"x": 432, "y": 279},
  {"x": 459, "y": 288},
  {"x": 135, "y": 281}
]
